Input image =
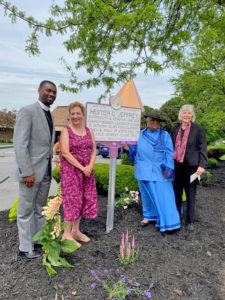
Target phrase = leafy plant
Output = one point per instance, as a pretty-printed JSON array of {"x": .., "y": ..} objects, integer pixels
[
  {"x": 128, "y": 254},
  {"x": 51, "y": 238},
  {"x": 184, "y": 198},
  {"x": 55, "y": 174},
  {"x": 127, "y": 198},
  {"x": 212, "y": 163},
  {"x": 204, "y": 181},
  {"x": 13, "y": 211},
  {"x": 122, "y": 288}
]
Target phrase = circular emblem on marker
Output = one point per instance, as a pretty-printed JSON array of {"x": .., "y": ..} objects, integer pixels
[{"x": 116, "y": 102}]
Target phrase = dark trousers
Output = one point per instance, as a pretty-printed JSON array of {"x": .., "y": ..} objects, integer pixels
[{"x": 182, "y": 181}]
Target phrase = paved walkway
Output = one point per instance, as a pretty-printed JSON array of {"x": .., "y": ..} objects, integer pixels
[{"x": 9, "y": 188}]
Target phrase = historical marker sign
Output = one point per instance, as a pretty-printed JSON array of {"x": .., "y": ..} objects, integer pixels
[{"x": 113, "y": 124}]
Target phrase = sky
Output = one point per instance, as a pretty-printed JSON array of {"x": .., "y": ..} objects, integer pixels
[{"x": 20, "y": 74}]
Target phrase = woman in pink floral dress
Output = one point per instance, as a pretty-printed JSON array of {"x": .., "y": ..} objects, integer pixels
[{"x": 78, "y": 153}]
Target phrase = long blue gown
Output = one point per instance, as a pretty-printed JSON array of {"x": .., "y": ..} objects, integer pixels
[{"x": 152, "y": 156}]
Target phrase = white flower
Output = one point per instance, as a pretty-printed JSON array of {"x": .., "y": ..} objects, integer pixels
[
  {"x": 126, "y": 189},
  {"x": 125, "y": 207},
  {"x": 52, "y": 208},
  {"x": 127, "y": 200}
]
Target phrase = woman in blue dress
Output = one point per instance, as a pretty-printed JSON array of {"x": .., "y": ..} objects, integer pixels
[{"x": 154, "y": 165}]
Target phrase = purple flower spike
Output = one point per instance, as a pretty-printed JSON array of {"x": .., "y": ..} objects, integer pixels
[
  {"x": 106, "y": 271},
  {"x": 128, "y": 291},
  {"x": 127, "y": 237},
  {"x": 117, "y": 270},
  {"x": 151, "y": 285},
  {"x": 148, "y": 294},
  {"x": 122, "y": 241},
  {"x": 123, "y": 278},
  {"x": 137, "y": 283},
  {"x": 93, "y": 272},
  {"x": 97, "y": 278},
  {"x": 93, "y": 285}
]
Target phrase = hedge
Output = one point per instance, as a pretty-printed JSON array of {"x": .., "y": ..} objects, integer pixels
[
  {"x": 124, "y": 178},
  {"x": 216, "y": 151},
  {"x": 125, "y": 160}
]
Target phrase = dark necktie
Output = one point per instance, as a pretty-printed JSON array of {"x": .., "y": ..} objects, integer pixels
[{"x": 49, "y": 119}]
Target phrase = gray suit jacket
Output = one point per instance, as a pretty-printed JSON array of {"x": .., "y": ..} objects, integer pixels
[{"x": 33, "y": 144}]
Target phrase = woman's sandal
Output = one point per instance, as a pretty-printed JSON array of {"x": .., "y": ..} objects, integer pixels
[{"x": 144, "y": 224}]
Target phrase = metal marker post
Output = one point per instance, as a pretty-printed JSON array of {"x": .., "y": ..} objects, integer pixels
[
  {"x": 111, "y": 192},
  {"x": 111, "y": 195}
]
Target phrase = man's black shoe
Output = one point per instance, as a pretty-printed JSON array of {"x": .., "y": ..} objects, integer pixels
[
  {"x": 37, "y": 246},
  {"x": 30, "y": 255}
]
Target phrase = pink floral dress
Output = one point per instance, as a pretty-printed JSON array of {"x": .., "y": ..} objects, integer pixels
[{"x": 78, "y": 191}]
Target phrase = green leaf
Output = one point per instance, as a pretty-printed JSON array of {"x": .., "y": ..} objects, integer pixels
[
  {"x": 48, "y": 267},
  {"x": 54, "y": 261},
  {"x": 53, "y": 254},
  {"x": 38, "y": 236},
  {"x": 68, "y": 246},
  {"x": 65, "y": 263}
]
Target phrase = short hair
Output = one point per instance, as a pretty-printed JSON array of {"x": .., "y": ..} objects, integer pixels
[
  {"x": 187, "y": 107},
  {"x": 44, "y": 82},
  {"x": 76, "y": 104}
]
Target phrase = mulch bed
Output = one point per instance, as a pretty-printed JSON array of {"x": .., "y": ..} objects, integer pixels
[{"x": 192, "y": 265}]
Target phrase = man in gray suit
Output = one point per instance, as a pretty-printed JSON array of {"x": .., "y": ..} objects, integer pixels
[{"x": 34, "y": 137}]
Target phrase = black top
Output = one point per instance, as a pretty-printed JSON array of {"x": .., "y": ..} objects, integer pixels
[{"x": 196, "y": 148}]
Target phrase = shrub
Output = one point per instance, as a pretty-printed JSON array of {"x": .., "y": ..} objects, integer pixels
[
  {"x": 216, "y": 151},
  {"x": 11, "y": 141},
  {"x": 55, "y": 174},
  {"x": 222, "y": 157},
  {"x": 2, "y": 141},
  {"x": 125, "y": 160},
  {"x": 124, "y": 178},
  {"x": 212, "y": 163},
  {"x": 204, "y": 181}
]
